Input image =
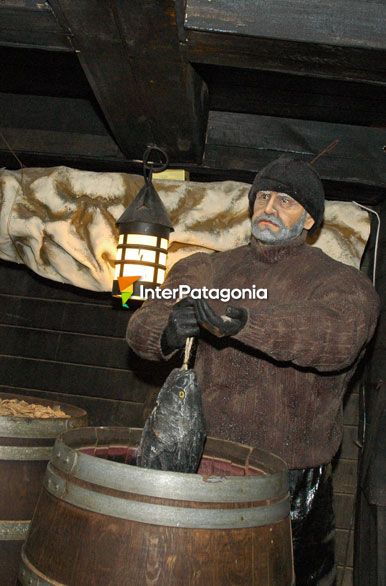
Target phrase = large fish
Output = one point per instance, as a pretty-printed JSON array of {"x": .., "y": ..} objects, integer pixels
[{"x": 174, "y": 433}]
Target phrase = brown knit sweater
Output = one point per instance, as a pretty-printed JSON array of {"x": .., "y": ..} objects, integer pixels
[{"x": 279, "y": 383}]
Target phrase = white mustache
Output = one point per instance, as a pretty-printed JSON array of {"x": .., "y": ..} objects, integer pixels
[{"x": 276, "y": 221}]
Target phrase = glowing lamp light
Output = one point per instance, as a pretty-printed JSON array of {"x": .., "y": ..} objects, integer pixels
[{"x": 144, "y": 230}]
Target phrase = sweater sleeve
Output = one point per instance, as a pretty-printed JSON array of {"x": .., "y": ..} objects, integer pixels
[
  {"x": 147, "y": 324},
  {"x": 326, "y": 332}
]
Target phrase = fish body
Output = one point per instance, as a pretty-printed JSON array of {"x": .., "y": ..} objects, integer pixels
[{"x": 174, "y": 433}]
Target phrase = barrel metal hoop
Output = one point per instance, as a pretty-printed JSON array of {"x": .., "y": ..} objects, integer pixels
[
  {"x": 13, "y": 530},
  {"x": 30, "y": 576},
  {"x": 25, "y": 453},
  {"x": 23, "y": 427},
  {"x": 161, "y": 484},
  {"x": 86, "y": 498}
]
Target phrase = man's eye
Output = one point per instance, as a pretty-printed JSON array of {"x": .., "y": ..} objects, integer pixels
[{"x": 286, "y": 201}]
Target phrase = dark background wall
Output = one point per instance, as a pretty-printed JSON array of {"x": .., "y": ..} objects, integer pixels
[{"x": 63, "y": 343}]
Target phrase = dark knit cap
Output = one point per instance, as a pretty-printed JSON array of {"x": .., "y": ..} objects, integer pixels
[{"x": 298, "y": 179}]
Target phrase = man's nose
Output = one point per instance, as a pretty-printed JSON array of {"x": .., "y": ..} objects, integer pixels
[{"x": 270, "y": 206}]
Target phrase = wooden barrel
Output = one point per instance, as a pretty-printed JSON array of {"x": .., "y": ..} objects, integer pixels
[
  {"x": 101, "y": 520},
  {"x": 25, "y": 449}
]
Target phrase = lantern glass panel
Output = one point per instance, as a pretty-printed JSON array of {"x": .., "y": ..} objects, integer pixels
[
  {"x": 121, "y": 239},
  {"x": 117, "y": 272},
  {"x": 162, "y": 258},
  {"x": 160, "y": 276},
  {"x": 146, "y": 273},
  {"x": 140, "y": 254},
  {"x": 139, "y": 239},
  {"x": 164, "y": 243},
  {"x": 119, "y": 254}
]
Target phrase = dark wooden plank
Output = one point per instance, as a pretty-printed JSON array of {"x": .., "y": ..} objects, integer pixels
[
  {"x": 56, "y": 74},
  {"x": 26, "y": 16},
  {"x": 345, "y": 574},
  {"x": 32, "y": 24},
  {"x": 46, "y": 40},
  {"x": 85, "y": 162},
  {"x": 303, "y": 59},
  {"x": 41, "y": 5},
  {"x": 345, "y": 476},
  {"x": 63, "y": 144},
  {"x": 344, "y": 507},
  {"x": 19, "y": 281},
  {"x": 245, "y": 141},
  {"x": 59, "y": 114},
  {"x": 291, "y": 96},
  {"x": 73, "y": 379},
  {"x": 344, "y": 547},
  {"x": 148, "y": 93},
  {"x": 100, "y": 411},
  {"x": 351, "y": 410},
  {"x": 63, "y": 317},
  {"x": 82, "y": 350},
  {"x": 348, "y": 23},
  {"x": 350, "y": 448},
  {"x": 61, "y": 347}
]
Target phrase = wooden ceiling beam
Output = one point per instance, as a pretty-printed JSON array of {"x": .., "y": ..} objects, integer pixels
[
  {"x": 302, "y": 59},
  {"x": 316, "y": 38},
  {"x": 246, "y": 142},
  {"x": 348, "y": 23},
  {"x": 148, "y": 92}
]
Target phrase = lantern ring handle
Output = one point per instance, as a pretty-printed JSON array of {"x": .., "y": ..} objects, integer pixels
[{"x": 150, "y": 166}]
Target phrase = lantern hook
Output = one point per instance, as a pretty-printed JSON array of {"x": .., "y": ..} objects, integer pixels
[{"x": 154, "y": 165}]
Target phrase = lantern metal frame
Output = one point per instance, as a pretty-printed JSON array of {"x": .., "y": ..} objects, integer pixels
[{"x": 145, "y": 216}]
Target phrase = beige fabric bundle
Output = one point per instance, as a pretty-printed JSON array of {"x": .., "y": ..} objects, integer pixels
[{"x": 60, "y": 222}]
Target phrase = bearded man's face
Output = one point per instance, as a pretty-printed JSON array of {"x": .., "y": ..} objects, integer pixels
[{"x": 277, "y": 217}]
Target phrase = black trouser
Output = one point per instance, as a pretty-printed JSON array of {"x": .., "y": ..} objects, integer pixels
[{"x": 313, "y": 526}]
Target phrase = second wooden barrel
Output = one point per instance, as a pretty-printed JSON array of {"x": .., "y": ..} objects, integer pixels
[
  {"x": 100, "y": 520},
  {"x": 25, "y": 449}
]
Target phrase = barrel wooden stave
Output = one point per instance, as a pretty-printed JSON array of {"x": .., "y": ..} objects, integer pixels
[
  {"x": 25, "y": 449},
  {"x": 9, "y": 561},
  {"x": 73, "y": 545},
  {"x": 94, "y": 549}
]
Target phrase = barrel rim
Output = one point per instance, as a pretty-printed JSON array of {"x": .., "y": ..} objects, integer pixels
[
  {"x": 13, "y": 530},
  {"x": 67, "y": 458},
  {"x": 164, "y": 513},
  {"x": 25, "y": 453},
  {"x": 29, "y": 574}
]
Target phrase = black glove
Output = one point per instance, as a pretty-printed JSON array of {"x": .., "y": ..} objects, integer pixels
[
  {"x": 229, "y": 324},
  {"x": 182, "y": 324}
]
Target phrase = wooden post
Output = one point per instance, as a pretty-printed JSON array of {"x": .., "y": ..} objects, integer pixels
[{"x": 130, "y": 54}]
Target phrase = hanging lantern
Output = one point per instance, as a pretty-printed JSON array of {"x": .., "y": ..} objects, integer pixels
[{"x": 144, "y": 230}]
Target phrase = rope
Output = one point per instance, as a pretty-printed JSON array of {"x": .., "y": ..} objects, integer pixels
[
  {"x": 188, "y": 350},
  {"x": 11, "y": 150},
  {"x": 13, "y": 203},
  {"x": 326, "y": 150}
]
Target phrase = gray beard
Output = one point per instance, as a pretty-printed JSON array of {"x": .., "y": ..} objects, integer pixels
[{"x": 283, "y": 235}]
